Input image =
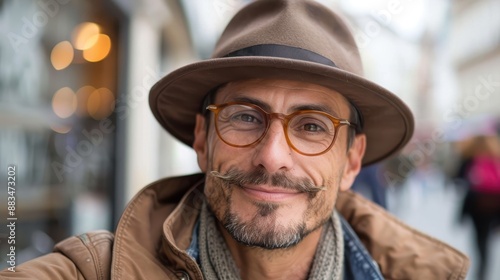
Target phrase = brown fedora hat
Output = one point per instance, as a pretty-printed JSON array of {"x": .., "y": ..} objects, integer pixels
[{"x": 293, "y": 40}]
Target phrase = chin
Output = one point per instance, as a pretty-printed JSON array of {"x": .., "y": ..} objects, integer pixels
[{"x": 269, "y": 226}]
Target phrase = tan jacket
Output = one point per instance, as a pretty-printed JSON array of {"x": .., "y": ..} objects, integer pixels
[{"x": 156, "y": 228}]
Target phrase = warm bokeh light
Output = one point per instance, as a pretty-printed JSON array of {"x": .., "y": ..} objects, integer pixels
[
  {"x": 64, "y": 102},
  {"x": 62, "y": 55},
  {"x": 85, "y": 35},
  {"x": 83, "y": 94},
  {"x": 99, "y": 50},
  {"x": 61, "y": 129},
  {"x": 101, "y": 103}
]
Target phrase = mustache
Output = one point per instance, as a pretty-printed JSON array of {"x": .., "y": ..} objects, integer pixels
[{"x": 259, "y": 176}]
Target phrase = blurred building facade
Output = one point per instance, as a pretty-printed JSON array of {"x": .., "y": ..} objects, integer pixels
[
  {"x": 74, "y": 112},
  {"x": 475, "y": 48},
  {"x": 59, "y": 81}
]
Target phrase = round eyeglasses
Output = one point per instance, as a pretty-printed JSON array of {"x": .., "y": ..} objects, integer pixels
[{"x": 308, "y": 132}]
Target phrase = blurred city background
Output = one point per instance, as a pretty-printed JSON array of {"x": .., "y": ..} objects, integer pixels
[{"x": 75, "y": 120}]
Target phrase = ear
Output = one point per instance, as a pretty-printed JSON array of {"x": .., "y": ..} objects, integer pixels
[
  {"x": 200, "y": 142},
  {"x": 354, "y": 161}
]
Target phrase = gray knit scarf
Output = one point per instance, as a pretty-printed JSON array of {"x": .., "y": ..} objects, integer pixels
[{"x": 217, "y": 262}]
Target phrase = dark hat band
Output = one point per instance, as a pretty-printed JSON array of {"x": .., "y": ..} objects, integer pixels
[{"x": 282, "y": 51}]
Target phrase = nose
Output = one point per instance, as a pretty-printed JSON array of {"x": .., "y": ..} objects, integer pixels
[{"x": 273, "y": 152}]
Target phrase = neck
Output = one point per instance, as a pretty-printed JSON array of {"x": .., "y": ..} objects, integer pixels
[{"x": 290, "y": 263}]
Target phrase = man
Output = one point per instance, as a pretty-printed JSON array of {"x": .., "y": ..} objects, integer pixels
[{"x": 282, "y": 122}]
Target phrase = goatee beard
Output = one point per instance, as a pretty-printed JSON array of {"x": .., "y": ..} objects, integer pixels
[{"x": 264, "y": 230}]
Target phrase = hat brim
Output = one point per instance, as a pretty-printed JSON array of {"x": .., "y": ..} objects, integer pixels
[{"x": 177, "y": 98}]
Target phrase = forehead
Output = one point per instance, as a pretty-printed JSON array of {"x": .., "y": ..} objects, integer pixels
[{"x": 283, "y": 92}]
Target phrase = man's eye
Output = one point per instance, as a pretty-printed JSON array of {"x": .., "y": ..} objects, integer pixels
[
  {"x": 246, "y": 118},
  {"x": 308, "y": 124},
  {"x": 311, "y": 127}
]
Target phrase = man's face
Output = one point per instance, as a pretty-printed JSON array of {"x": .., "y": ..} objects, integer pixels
[{"x": 262, "y": 203}]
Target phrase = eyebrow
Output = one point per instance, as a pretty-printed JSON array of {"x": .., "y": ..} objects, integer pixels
[
  {"x": 254, "y": 101},
  {"x": 315, "y": 107},
  {"x": 267, "y": 108}
]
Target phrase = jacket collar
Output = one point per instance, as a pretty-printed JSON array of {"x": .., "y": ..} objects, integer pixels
[
  {"x": 155, "y": 230},
  {"x": 152, "y": 231}
]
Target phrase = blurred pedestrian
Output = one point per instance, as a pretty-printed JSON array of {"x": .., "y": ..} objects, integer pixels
[
  {"x": 369, "y": 184},
  {"x": 480, "y": 170}
]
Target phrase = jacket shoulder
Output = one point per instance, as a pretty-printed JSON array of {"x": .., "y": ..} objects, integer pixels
[
  {"x": 90, "y": 252},
  {"x": 53, "y": 266},
  {"x": 87, "y": 256}
]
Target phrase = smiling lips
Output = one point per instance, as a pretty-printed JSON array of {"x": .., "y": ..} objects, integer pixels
[{"x": 272, "y": 194}]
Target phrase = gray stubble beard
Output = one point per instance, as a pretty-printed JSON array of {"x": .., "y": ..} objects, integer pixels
[{"x": 263, "y": 230}]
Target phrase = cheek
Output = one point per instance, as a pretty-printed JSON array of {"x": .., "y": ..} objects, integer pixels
[
  {"x": 223, "y": 157},
  {"x": 321, "y": 206},
  {"x": 211, "y": 141},
  {"x": 325, "y": 170},
  {"x": 216, "y": 152},
  {"x": 218, "y": 196}
]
